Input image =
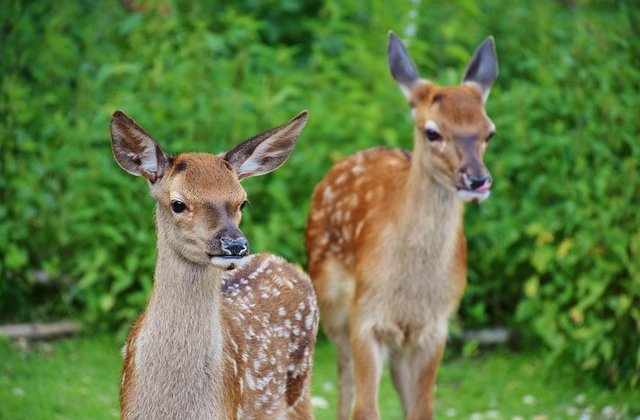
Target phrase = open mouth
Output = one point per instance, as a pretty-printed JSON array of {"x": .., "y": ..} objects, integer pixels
[
  {"x": 473, "y": 196},
  {"x": 227, "y": 262}
]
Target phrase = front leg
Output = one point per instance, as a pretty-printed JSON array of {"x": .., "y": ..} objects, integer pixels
[
  {"x": 345, "y": 372},
  {"x": 403, "y": 377},
  {"x": 425, "y": 366},
  {"x": 368, "y": 361}
]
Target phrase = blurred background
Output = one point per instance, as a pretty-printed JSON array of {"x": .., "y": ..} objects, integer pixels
[{"x": 554, "y": 254}]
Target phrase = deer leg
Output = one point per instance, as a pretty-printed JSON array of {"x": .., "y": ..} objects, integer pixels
[
  {"x": 425, "y": 370},
  {"x": 347, "y": 385},
  {"x": 368, "y": 361},
  {"x": 402, "y": 378},
  {"x": 303, "y": 409}
]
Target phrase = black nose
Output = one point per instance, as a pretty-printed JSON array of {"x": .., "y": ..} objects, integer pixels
[
  {"x": 234, "y": 246},
  {"x": 475, "y": 182}
]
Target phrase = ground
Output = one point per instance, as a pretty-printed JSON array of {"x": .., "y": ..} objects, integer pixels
[{"x": 78, "y": 379}]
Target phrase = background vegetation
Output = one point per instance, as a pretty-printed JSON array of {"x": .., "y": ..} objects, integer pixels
[{"x": 554, "y": 253}]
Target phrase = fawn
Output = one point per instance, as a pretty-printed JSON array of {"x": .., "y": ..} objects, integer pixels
[
  {"x": 385, "y": 239},
  {"x": 225, "y": 334}
]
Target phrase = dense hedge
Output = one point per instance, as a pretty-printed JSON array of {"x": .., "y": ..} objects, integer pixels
[{"x": 554, "y": 252}]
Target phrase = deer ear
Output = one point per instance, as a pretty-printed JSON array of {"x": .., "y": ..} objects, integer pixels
[
  {"x": 483, "y": 68},
  {"x": 267, "y": 151},
  {"x": 401, "y": 65},
  {"x": 136, "y": 151}
]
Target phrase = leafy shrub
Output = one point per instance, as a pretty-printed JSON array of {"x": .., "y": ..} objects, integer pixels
[
  {"x": 554, "y": 252},
  {"x": 558, "y": 244}
]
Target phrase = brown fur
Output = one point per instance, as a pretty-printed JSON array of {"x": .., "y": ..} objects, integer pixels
[
  {"x": 215, "y": 342},
  {"x": 387, "y": 252},
  {"x": 252, "y": 335}
]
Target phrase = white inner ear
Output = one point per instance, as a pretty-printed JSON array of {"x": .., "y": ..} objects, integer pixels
[
  {"x": 269, "y": 148},
  {"x": 406, "y": 91},
  {"x": 148, "y": 158},
  {"x": 252, "y": 165}
]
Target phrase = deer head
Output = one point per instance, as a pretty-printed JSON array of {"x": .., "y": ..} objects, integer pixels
[
  {"x": 451, "y": 126},
  {"x": 199, "y": 196}
]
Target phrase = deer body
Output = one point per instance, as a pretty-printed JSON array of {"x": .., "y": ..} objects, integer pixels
[
  {"x": 225, "y": 334},
  {"x": 386, "y": 245}
]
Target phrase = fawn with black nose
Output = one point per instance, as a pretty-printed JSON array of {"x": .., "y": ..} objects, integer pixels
[
  {"x": 225, "y": 334},
  {"x": 385, "y": 238}
]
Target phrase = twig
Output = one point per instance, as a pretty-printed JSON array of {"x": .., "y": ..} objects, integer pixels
[{"x": 38, "y": 330}]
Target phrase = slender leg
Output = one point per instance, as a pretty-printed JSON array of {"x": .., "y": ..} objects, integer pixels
[
  {"x": 402, "y": 378},
  {"x": 426, "y": 371},
  {"x": 303, "y": 409},
  {"x": 368, "y": 361},
  {"x": 347, "y": 385}
]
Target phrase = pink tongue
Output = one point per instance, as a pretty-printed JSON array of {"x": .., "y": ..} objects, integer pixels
[{"x": 484, "y": 187}]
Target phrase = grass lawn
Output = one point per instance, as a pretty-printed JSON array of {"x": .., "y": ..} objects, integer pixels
[{"x": 78, "y": 379}]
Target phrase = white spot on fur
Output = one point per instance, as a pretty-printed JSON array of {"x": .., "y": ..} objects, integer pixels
[
  {"x": 343, "y": 177},
  {"x": 357, "y": 170},
  {"x": 235, "y": 365},
  {"x": 250, "y": 382},
  {"x": 360, "y": 180},
  {"x": 327, "y": 195},
  {"x": 369, "y": 195},
  {"x": 308, "y": 321},
  {"x": 359, "y": 227}
]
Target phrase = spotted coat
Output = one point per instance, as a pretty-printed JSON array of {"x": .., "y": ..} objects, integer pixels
[{"x": 272, "y": 317}]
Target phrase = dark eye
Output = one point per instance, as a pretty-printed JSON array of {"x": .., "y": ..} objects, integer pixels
[
  {"x": 490, "y": 136},
  {"x": 244, "y": 203},
  {"x": 433, "y": 135},
  {"x": 178, "y": 206}
]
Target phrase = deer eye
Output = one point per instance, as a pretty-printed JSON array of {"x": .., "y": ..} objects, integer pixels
[
  {"x": 433, "y": 135},
  {"x": 178, "y": 206},
  {"x": 244, "y": 203}
]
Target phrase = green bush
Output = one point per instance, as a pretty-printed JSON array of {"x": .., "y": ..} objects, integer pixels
[
  {"x": 560, "y": 236},
  {"x": 553, "y": 253}
]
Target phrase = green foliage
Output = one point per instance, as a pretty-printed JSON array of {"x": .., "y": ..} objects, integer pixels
[
  {"x": 554, "y": 252},
  {"x": 560, "y": 236}
]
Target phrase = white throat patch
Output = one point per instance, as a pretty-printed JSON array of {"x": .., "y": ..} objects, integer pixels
[{"x": 473, "y": 196}]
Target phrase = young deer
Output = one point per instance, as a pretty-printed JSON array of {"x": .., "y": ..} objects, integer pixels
[
  {"x": 385, "y": 240},
  {"x": 225, "y": 334}
]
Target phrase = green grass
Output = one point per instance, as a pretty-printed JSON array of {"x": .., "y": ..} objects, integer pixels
[
  {"x": 68, "y": 379},
  {"x": 78, "y": 379}
]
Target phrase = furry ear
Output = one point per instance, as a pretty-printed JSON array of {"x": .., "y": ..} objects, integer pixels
[
  {"x": 401, "y": 65},
  {"x": 136, "y": 151},
  {"x": 483, "y": 68},
  {"x": 267, "y": 151}
]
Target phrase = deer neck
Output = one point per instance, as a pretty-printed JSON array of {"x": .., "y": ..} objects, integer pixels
[
  {"x": 179, "y": 350},
  {"x": 185, "y": 293},
  {"x": 186, "y": 301},
  {"x": 430, "y": 212}
]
